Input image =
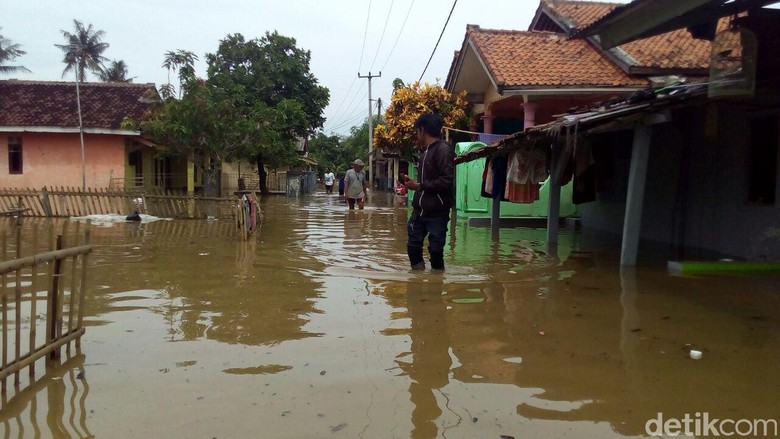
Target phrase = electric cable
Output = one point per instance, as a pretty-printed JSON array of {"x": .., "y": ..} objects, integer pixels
[{"x": 438, "y": 41}]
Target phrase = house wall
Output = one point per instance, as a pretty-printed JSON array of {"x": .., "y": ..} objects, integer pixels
[
  {"x": 696, "y": 192},
  {"x": 55, "y": 160}
]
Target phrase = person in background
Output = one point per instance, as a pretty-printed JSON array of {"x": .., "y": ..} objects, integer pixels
[
  {"x": 329, "y": 178},
  {"x": 341, "y": 185},
  {"x": 356, "y": 185},
  {"x": 400, "y": 193},
  {"x": 433, "y": 194}
]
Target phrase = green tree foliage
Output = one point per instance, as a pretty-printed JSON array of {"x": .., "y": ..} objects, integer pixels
[
  {"x": 83, "y": 50},
  {"x": 202, "y": 126},
  {"x": 8, "y": 53},
  {"x": 116, "y": 71},
  {"x": 258, "y": 99},
  {"x": 268, "y": 81}
]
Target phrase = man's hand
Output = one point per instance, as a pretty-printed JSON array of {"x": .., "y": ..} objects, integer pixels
[{"x": 410, "y": 183}]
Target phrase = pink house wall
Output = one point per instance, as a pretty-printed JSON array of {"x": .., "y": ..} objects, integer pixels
[{"x": 51, "y": 159}]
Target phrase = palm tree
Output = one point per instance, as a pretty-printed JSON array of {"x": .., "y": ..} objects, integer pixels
[
  {"x": 184, "y": 62},
  {"x": 9, "y": 52},
  {"x": 115, "y": 72},
  {"x": 84, "y": 50}
]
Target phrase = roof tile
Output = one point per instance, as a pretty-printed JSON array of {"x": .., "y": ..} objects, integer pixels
[
  {"x": 545, "y": 59},
  {"x": 53, "y": 104},
  {"x": 672, "y": 50}
]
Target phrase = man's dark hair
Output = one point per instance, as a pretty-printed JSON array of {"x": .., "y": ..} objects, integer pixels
[{"x": 431, "y": 123}]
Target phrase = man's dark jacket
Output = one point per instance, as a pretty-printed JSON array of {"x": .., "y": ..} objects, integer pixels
[{"x": 437, "y": 172}]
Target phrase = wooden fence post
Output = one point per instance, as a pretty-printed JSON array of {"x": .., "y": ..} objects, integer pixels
[
  {"x": 54, "y": 293},
  {"x": 45, "y": 201}
]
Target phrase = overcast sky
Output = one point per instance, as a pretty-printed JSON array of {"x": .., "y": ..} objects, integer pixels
[{"x": 141, "y": 31}]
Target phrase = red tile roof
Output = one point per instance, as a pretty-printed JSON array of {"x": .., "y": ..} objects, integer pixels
[
  {"x": 672, "y": 50},
  {"x": 577, "y": 14},
  {"x": 520, "y": 59},
  {"x": 53, "y": 104}
]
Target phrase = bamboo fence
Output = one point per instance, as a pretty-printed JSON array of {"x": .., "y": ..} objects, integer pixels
[
  {"x": 65, "y": 202},
  {"x": 53, "y": 274}
]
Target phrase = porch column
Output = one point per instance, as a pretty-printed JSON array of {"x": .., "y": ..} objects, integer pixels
[
  {"x": 495, "y": 213},
  {"x": 554, "y": 202},
  {"x": 487, "y": 121},
  {"x": 396, "y": 174},
  {"x": 635, "y": 196},
  {"x": 529, "y": 115}
]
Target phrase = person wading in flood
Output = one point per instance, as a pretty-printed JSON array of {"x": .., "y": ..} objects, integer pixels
[
  {"x": 433, "y": 194},
  {"x": 356, "y": 185}
]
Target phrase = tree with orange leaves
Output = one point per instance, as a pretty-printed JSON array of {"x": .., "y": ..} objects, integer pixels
[{"x": 408, "y": 103}]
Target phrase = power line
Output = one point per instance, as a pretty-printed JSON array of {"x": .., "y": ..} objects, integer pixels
[
  {"x": 353, "y": 119},
  {"x": 344, "y": 99},
  {"x": 350, "y": 112},
  {"x": 360, "y": 64},
  {"x": 438, "y": 41},
  {"x": 350, "y": 107},
  {"x": 365, "y": 33},
  {"x": 382, "y": 37},
  {"x": 403, "y": 25}
]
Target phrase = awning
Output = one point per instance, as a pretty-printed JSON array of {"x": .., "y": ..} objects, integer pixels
[{"x": 601, "y": 117}]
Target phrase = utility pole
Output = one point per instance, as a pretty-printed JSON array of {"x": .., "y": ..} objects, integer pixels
[{"x": 370, "y": 128}]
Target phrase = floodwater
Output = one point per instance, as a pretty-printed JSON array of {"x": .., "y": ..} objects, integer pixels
[{"x": 318, "y": 329}]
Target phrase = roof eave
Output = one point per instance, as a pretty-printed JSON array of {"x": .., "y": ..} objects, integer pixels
[
  {"x": 491, "y": 76},
  {"x": 67, "y": 130},
  {"x": 567, "y": 91}
]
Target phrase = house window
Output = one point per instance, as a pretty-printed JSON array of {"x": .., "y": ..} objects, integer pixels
[
  {"x": 763, "y": 146},
  {"x": 15, "y": 163}
]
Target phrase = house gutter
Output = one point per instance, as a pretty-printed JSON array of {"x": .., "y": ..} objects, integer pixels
[{"x": 66, "y": 130}]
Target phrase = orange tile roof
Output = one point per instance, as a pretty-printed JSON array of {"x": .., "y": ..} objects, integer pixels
[
  {"x": 577, "y": 14},
  {"x": 672, "y": 50},
  {"x": 523, "y": 59}
]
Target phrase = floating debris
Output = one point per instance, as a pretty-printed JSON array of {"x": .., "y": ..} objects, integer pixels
[{"x": 469, "y": 300}]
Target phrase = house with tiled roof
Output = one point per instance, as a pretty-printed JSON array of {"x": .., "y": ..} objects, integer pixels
[
  {"x": 694, "y": 167},
  {"x": 518, "y": 79},
  {"x": 40, "y": 142}
]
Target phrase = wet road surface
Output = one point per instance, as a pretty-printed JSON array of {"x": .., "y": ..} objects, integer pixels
[{"x": 318, "y": 329}]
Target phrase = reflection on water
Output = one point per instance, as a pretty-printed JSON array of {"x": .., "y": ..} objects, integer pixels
[{"x": 318, "y": 328}]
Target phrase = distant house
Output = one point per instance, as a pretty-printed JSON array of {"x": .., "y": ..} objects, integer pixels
[
  {"x": 40, "y": 144},
  {"x": 243, "y": 175}
]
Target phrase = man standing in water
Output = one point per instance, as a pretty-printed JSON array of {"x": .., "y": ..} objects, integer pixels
[
  {"x": 355, "y": 185},
  {"x": 433, "y": 194},
  {"x": 329, "y": 178}
]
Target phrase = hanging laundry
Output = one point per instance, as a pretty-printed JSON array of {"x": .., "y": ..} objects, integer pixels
[
  {"x": 528, "y": 166},
  {"x": 494, "y": 177},
  {"x": 526, "y": 170}
]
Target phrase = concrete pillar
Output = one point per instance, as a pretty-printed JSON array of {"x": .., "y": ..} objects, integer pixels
[
  {"x": 529, "y": 115},
  {"x": 554, "y": 205},
  {"x": 487, "y": 124},
  {"x": 635, "y": 197}
]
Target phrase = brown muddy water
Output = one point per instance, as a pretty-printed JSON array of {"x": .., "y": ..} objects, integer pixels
[{"x": 318, "y": 329}]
